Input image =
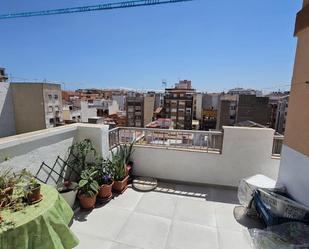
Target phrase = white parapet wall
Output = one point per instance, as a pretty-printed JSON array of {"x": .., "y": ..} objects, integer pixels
[
  {"x": 246, "y": 152},
  {"x": 7, "y": 120},
  {"x": 29, "y": 150}
]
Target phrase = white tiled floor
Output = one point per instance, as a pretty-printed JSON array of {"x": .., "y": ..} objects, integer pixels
[{"x": 169, "y": 218}]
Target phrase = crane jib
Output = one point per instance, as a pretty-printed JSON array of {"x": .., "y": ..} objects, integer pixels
[{"x": 106, "y": 6}]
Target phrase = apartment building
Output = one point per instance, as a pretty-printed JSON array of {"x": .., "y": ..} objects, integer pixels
[
  {"x": 140, "y": 109},
  {"x": 135, "y": 111},
  {"x": 178, "y": 104},
  {"x": 242, "y": 91},
  {"x": 121, "y": 101},
  {"x": 71, "y": 113},
  {"x": 227, "y": 107},
  {"x": 253, "y": 108},
  {"x": 36, "y": 106},
  {"x": 274, "y": 99},
  {"x": 282, "y": 112}
]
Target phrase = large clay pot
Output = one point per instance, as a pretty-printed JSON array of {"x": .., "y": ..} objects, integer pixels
[
  {"x": 119, "y": 186},
  {"x": 34, "y": 193},
  {"x": 105, "y": 190},
  {"x": 87, "y": 202}
]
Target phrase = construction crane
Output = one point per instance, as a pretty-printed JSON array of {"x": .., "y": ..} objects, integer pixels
[{"x": 105, "y": 6}]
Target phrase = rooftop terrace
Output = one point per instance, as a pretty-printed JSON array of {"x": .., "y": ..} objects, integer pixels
[
  {"x": 172, "y": 216},
  {"x": 197, "y": 208}
]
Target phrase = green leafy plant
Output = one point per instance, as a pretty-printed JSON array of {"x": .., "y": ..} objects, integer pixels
[
  {"x": 117, "y": 163},
  {"x": 26, "y": 178},
  {"x": 82, "y": 155},
  {"x": 88, "y": 185},
  {"x": 7, "y": 179},
  {"x": 125, "y": 151},
  {"x": 105, "y": 171}
]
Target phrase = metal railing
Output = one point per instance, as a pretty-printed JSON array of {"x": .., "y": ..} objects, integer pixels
[
  {"x": 277, "y": 145},
  {"x": 208, "y": 141}
]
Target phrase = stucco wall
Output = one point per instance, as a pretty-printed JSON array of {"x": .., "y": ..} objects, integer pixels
[
  {"x": 294, "y": 168},
  {"x": 7, "y": 121},
  {"x": 293, "y": 174},
  {"x": 29, "y": 150},
  {"x": 87, "y": 112},
  {"x": 246, "y": 151},
  {"x": 28, "y": 107}
]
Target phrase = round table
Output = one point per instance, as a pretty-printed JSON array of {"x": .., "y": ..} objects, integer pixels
[{"x": 40, "y": 226}]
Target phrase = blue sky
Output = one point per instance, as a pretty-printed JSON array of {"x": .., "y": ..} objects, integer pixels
[{"x": 216, "y": 44}]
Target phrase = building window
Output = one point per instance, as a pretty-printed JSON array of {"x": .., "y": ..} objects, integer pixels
[
  {"x": 56, "y": 96},
  {"x": 56, "y": 108},
  {"x": 138, "y": 123},
  {"x": 51, "y": 121},
  {"x": 50, "y": 109},
  {"x": 130, "y": 109},
  {"x": 50, "y": 97}
]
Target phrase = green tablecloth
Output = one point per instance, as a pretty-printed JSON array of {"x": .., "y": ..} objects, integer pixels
[{"x": 40, "y": 226}]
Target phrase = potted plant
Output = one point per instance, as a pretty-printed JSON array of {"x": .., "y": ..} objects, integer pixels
[
  {"x": 68, "y": 191},
  {"x": 105, "y": 179},
  {"x": 105, "y": 191},
  {"x": 33, "y": 190},
  {"x": 126, "y": 151},
  {"x": 81, "y": 156},
  {"x": 88, "y": 188},
  {"x": 117, "y": 162},
  {"x": 7, "y": 182}
]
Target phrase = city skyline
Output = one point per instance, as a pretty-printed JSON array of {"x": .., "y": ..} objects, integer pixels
[{"x": 151, "y": 44}]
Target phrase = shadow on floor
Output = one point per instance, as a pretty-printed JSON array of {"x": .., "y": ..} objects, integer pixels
[{"x": 240, "y": 214}]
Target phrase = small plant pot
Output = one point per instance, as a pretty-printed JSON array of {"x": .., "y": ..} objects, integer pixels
[
  {"x": 8, "y": 191},
  {"x": 87, "y": 202},
  {"x": 119, "y": 186},
  {"x": 34, "y": 193},
  {"x": 105, "y": 190}
]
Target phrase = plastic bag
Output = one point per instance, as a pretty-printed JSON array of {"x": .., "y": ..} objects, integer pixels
[
  {"x": 292, "y": 235},
  {"x": 248, "y": 185}
]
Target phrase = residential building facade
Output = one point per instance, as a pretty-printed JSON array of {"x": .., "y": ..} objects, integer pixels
[
  {"x": 36, "y": 106},
  {"x": 253, "y": 108},
  {"x": 135, "y": 111},
  {"x": 282, "y": 112},
  {"x": 178, "y": 105}
]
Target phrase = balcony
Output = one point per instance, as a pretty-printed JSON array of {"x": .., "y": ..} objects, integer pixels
[{"x": 195, "y": 204}]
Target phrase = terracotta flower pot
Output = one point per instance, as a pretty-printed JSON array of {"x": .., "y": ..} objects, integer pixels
[
  {"x": 34, "y": 193},
  {"x": 87, "y": 202},
  {"x": 105, "y": 190},
  {"x": 119, "y": 186},
  {"x": 8, "y": 191}
]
